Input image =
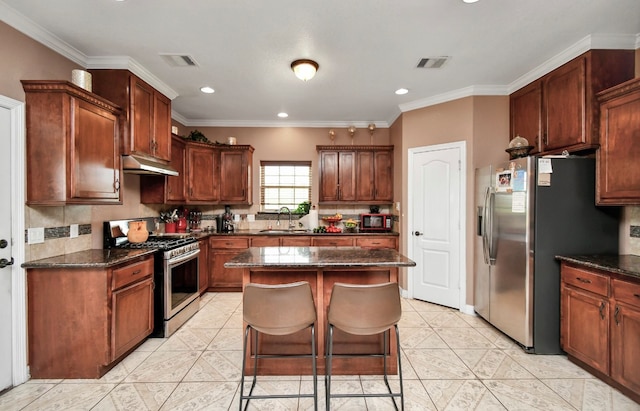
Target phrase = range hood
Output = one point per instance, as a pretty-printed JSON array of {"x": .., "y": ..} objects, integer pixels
[{"x": 132, "y": 164}]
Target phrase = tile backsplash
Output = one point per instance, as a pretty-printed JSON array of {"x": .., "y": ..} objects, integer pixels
[{"x": 632, "y": 217}]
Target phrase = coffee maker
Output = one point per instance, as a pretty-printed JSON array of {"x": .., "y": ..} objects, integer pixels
[{"x": 224, "y": 222}]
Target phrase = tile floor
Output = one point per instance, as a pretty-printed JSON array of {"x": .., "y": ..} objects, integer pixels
[{"x": 451, "y": 361}]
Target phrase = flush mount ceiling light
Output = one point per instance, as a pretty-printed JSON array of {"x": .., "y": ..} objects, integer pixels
[
  {"x": 304, "y": 69},
  {"x": 283, "y": 115},
  {"x": 401, "y": 91},
  {"x": 207, "y": 89}
]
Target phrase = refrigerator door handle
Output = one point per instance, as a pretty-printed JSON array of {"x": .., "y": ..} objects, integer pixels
[
  {"x": 489, "y": 206},
  {"x": 485, "y": 241}
]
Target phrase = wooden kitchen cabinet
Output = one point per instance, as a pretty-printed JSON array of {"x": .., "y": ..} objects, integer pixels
[
  {"x": 81, "y": 321},
  {"x": 236, "y": 175},
  {"x": 584, "y": 320},
  {"x": 147, "y": 131},
  {"x": 526, "y": 114},
  {"x": 625, "y": 334},
  {"x": 600, "y": 324},
  {"x": 356, "y": 174},
  {"x": 71, "y": 145},
  {"x": 618, "y": 177},
  {"x": 167, "y": 189},
  {"x": 568, "y": 111},
  {"x": 221, "y": 250},
  {"x": 202, "y": 169}
]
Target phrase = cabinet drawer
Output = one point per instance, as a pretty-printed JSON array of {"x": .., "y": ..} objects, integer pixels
[
  {"x": 220, "y": 243},
  {"x": 294, "y": 240},
  {"x": 384, "y": 242},
  {"x": 131, "y": 273},
  {"x": 627, "y": 292},
  {"x": 332, "y": 241},
  {"x": 586, "y": 280},
  {"x": 266, "y": 241}
]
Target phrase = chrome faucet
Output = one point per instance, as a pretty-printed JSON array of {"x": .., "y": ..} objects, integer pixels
[{"x": 280, "y": 211}]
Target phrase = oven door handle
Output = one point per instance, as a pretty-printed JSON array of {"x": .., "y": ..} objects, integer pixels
[{"x": 183, "y": 257}]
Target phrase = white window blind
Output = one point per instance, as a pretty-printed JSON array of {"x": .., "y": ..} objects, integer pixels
[{"x": 284, "y": 184}]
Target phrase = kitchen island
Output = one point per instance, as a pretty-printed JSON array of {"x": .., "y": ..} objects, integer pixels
[{"x": 321, "y": 267}]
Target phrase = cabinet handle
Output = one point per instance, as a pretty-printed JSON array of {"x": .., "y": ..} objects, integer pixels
[
  {"x": 583, "y": 280},
  {"x": 136, "y": 272},
  {"x": 602, "y": 310},
  {"x": 615, "y": 315},
  {"x": 637, "y": 295},
  {"x": 116, "y": 184}
]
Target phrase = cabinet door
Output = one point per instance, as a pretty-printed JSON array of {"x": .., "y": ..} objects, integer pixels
[
  {"x": 328, "y": 176},
  {"x": 95, "y": 160},
  {"x": 347, "y": 176},
  {"x": 526, "y": 114},
  {"x": 365, "y": 189},
  {"x": 203, "y": 278},
  {"x": 233, "y": 176},
  {"x": 618, "y": 179},
  {"x": 625, "y": 346},
  {"x": 131, "y": 317},
  {"x": 221, "y": 278},
  {"x": 201, "y": 167},
  {"x": 161, "y": 144},
  {"x": 141, "y": 116},
  {"x": 383, "y": 175},
  {"x": 584, "y": 327},
  {"x": 565, "y": 106},
  {"x": 175, "y": 184}
]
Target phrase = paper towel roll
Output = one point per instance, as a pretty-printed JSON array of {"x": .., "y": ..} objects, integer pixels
[{"x": 313, "y": 218}]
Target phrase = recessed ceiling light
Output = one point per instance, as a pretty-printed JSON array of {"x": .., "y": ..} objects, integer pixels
[
  {"x": 401, "y": 91},
  {"x": 283, "y": 115},
  {"x": 469, "y": 1},
  {"x": 207, "y": 89}
]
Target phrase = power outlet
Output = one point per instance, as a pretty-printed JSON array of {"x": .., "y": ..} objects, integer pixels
[
  {"x": 397, "y": 205},
  {"x": 35, "y": 235},
  {"x": 73, "y": 230}
]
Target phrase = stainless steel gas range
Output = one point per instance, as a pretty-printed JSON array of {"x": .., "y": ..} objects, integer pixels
[{"x": 176, "y": 296}]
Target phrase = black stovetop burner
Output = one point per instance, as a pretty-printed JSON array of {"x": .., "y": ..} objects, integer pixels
[{"x": 160, "y": 242}]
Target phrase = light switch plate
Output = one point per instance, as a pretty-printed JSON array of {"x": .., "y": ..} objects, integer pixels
[
  {"x": 35, "y": 235},
  {"x": 73, "y": 230}
]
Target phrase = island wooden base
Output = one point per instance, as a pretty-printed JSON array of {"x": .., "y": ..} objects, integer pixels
[{"x": 321, "y": 281}]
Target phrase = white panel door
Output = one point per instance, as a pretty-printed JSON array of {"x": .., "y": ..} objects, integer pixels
[
  {"x": 435, "y": 225},
  {"x": 6, "y": 354}
]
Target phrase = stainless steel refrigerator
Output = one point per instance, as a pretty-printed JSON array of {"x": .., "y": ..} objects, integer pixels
[{"x": 528, "y": 211}]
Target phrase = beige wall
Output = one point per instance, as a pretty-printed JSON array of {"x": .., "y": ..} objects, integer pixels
[{"x": 483, "y": 124}]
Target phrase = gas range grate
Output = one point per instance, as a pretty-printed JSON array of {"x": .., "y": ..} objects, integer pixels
[{"x": 160, "y": 243}]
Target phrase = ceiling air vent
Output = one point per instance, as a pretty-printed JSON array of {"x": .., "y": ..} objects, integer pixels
[
  {"x": 432, "y": 62},
  {"x": 179, "y": 60}
]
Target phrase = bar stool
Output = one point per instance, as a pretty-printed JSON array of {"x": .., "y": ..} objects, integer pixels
[
  {"x": 364, "y": 310},
  {"x": 277, "y": 310}
]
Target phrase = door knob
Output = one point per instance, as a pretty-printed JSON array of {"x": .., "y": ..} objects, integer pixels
[
  {"x": 417, "y": 233},
  {"x": 4, "y": 262},
  {"x": 3, "y": 243}
]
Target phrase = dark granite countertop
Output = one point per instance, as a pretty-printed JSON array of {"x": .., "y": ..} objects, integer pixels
[
  {"x": 312, "y": 257},
  {"x": 621, "y": 264},
  {"x": 96, "y": 258},
  {"x": 276, "y": 232}
]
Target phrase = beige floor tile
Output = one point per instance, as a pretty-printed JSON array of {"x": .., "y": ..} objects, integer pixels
[
  {"x": 438, "y": 364},
  {"x": 527, "y": 395},
  {"x": 548, "y": 366},
  {"x": 190, "y": 339},
  {"x": 422, "y": 306},
  {"x": 138, "y": 396},
  {"x": 216, "y": 366},
  {"x": 227, "y": 339},
  {"x": 492, "y": 364},
  {"x": 497, "y": 338},
  {"x": 463, "y": 338},
  {"x": 444, "y": 319},
  {"x": 151, "y": 344},
  {"x": 211, "y": 396},
  {"x": 70, "y": 397},
  {"x": 421, "y": 337},
  {"x": 474, "y": 320},
  {"x": 459, "y": 395},
  {"x": 164, "y": 366},
  {"x": 591, "y": 395},
  {"x": 412, "y": 319},
  {"x": 22, "y": 395},
  {"x": 347, "y": 387},
  {"x": 306, "y": 387},
  {"x": 273, "y": 387}
]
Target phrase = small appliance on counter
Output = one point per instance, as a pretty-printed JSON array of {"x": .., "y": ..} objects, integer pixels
[{"x": 376, "y": 222}]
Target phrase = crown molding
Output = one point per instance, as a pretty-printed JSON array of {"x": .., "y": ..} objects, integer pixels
[
  {"x": 31, "y": 29},
  {"x": 126, "y": 62},
  {"x": 454, "y": 95},
  {"x": 281, "y": 123}
]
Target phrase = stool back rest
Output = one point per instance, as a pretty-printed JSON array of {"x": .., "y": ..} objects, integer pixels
[
  {"x": 278, "y": 309},
  {"x": 364, "y": 309}
]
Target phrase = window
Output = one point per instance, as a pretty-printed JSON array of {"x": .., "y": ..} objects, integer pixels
[{"x": 284, "y": 184}]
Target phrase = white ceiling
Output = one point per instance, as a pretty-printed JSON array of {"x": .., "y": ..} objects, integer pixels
[{"x": 366, "y": 50}]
